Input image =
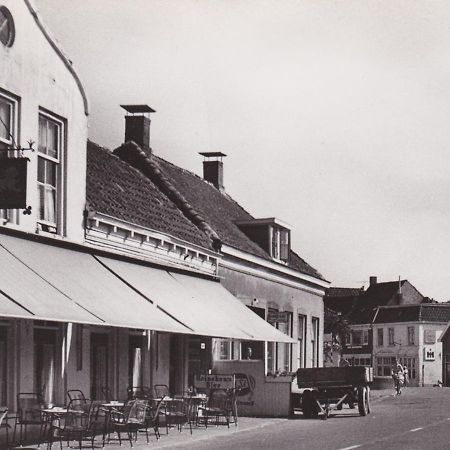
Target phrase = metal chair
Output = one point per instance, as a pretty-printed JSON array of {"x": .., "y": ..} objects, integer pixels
[
  {"x": 76, "y": 394},
  {"x": 219, "y": 406},
  {"x": 161, "y": 390},
  {"x": 4, "y": 422},
  {"x": 130, "y": 420},
  {"x": 29, "y": 412},
  {"x": 138, "y": 393}
]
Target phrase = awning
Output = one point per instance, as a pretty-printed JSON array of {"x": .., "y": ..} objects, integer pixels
[
  {"x": 203, "y": 305},
  {"x": 50, "y": 282},
  {"x": 55, "y": 283}
]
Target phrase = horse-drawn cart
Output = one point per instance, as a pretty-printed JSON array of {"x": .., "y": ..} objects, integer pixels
[{"x": 328, "y": 388}]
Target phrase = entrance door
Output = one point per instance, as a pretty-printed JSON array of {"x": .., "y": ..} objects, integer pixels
[
  {"x": 447, "y": 370},
  {"x": 177, "y": 364},
  {"x": 45, "y": 364},
  {"x": 199, "y": 357},
  {"x": 99, "y": 365}
]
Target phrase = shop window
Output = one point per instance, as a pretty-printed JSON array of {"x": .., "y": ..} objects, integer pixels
[
  {"x": 279, "y": 355},
  {"x": 315, "y": 341},
  {"x": 410, "y": 364},
  {"x": 226, "y": 350},
  {"x": 99, "y": 364},
  {"x": 411, "y": 337},
  {"x": 380, "y": 336},
  {"x": 391, "y": 336},
  {"x": 49, "y": 182},
  {"x": 136, "y": 347},
  {"x": 301, "y": 337},
  {"x": 253, "y": 349},
  {"x": 45, "y": 363}
]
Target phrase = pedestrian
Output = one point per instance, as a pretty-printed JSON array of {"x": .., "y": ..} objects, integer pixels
[{"x": 398, "y": 375}]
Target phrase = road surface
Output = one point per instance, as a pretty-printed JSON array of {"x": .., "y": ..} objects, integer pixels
[{"x": 418, "y": 419}]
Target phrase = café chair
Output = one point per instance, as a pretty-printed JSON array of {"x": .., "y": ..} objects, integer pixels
[
  {"x": 29, "y": 412},
  {"x": 138, "y": 392},
  {"x": 4, "y": 422},
  {"x": 161, "y": 390},
  {"x": 218, "y": 408}
]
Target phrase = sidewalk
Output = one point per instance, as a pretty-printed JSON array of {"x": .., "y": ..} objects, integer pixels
[{"x": 175, "y": 439}]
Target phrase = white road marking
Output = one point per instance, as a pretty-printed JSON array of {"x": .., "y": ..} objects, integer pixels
[
  {"x": 350, "y": 448},
  {"x": 416, "y": 429}
]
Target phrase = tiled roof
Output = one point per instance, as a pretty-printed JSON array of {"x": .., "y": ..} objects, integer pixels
[
  {"x": 343, "y": 292},
  {"x": 414, "y": 313},
  {"x": 115, "y": 188},
  {"x": 213, "y": 211}
]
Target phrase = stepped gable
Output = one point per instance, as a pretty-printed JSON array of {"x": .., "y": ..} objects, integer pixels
[{"x": 115, "y": 188}]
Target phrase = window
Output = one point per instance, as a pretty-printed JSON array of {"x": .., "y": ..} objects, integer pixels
[
  {"x": 384, "y": 366},
  {"x": 410, "y": 364},
  {"x": 8, "y": 137},
  {"x": 301, "y": 340},
  {"x": 49, "y": 172},
  {"x": 362, "y": 362},
  {"x": 7, "y": 28},
  {"x": 410, "y": 335},
  {"x": 365, "y": 337},
  {"x": 253, "y": 349},
  {"x": 3, "y": 365},
  {"x": 315, "y": 341},
  {"x": 357, "y": 336},
  {"x": 279, "y": 354},
  {"x": 391, "y": 336},
  {"x": 226, "y": 350},
  {"x": 380, "y": 334},
  {"x": 280, "y": 243}
]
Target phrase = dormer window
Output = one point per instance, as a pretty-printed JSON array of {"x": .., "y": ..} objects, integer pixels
[
  {"x": 279, "y": 243},
  {"x": 271, "y": 234}
]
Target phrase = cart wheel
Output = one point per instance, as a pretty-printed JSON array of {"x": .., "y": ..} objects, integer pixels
[
  {"x": 314, "y": 407},
  {"x": 368, "y": 399},
  {"x": 339, "y": 407},
  {"x": 362, "y": 401},
  {"x": 307, "y": 404}
]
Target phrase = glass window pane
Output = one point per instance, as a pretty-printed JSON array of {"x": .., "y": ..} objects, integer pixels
[
  {"x": 51, "y": 173},
  {"x": 41, "y": 199},
  {"x": 41, "y": 170},
  {"x": 52, "y": 142},
  {"x": 5, "y": 120},
  {"x": 50, "y": 197},
  {"x": 42, "y": 146}
]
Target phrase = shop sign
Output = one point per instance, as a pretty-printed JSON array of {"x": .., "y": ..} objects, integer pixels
[
  {"x": 216, "y": 381},
  {"x": 13, "y": 183},
  {"x": 429, "y": 336},
  {"x": 277, "y": 316},
  {"x": 429, "y": 353}
]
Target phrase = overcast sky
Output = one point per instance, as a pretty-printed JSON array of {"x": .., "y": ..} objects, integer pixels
[{"x": 334, "y": 114}]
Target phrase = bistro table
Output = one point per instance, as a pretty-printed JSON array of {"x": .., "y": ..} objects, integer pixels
[{"x": 50, "y": 417}]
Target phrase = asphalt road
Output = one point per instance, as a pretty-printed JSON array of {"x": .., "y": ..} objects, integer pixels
[{"x": 418, "y": 419}]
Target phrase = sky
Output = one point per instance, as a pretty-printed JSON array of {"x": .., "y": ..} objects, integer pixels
[{"x": 334, "y": 115}]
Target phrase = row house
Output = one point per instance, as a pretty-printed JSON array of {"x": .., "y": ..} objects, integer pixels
[{"x": 121, "y": 269}]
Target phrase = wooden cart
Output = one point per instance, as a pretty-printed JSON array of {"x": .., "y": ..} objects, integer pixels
[{"x": 329, "y": 388}]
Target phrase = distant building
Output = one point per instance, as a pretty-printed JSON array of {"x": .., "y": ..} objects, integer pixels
[{"x": 387, "y": 321}]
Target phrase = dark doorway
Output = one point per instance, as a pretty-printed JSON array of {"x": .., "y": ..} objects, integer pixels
[
  {"x": 99, "y": 365},
  {"x": 200, "y": 357}
]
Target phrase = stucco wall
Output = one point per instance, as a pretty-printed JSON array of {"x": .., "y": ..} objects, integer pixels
[
  {"x": 32, "y": 71},
  {"x": 270, "y": 293}
]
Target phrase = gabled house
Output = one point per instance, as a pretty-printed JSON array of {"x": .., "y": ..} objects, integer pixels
[
  {"x": 410, "y": 333},
  {"x": 359, "y": 306}
]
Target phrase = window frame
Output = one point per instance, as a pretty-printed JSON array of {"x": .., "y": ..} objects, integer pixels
[
  {"x": 315, "y": 334},
  {"x": 411, "y": 331},
  {"x": 59, "y": 161},
  {"x": 391, "y": 336},
  {"x": 380, "y": 333}
]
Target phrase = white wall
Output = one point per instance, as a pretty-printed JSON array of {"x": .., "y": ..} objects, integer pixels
[{"x": 32, "y": 71}]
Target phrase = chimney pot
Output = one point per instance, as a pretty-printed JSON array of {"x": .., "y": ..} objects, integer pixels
[{"x": 372, "y": 281}]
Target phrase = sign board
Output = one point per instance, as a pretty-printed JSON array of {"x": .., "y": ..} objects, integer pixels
[
  {"x": 429, "y": 336},
  {"x": 277, "y": 316},
  {"x": 429, "y": 353},
  {"x": 216, "y": 381},
  {"x": 13, "y": 183}
]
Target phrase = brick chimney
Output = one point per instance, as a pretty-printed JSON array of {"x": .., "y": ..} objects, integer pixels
[
  {"x": 137, "y": 125},
  {"x": 373, "y": 281},
  {"x": 213, "y": 168}
]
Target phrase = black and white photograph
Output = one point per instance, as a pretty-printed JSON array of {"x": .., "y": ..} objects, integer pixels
[{"x": 225, "y": 224}]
